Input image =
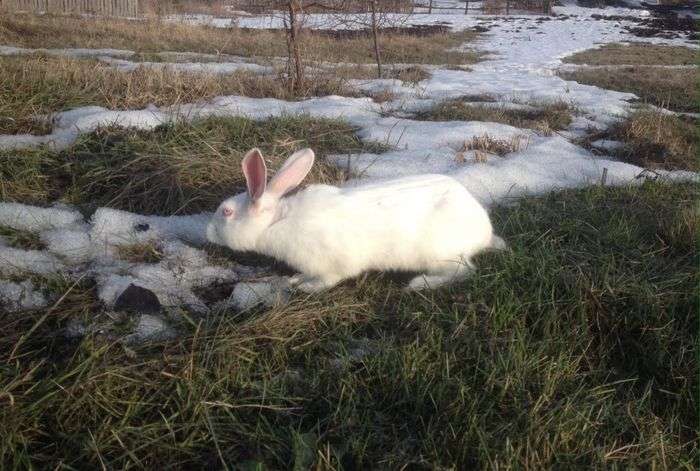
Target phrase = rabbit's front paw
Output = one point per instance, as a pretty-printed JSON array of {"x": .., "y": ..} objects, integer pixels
[{"x": 313, "y": 285}]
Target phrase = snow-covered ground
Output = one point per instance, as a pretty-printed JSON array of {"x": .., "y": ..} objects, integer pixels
[{"x": 524, "y": 54}]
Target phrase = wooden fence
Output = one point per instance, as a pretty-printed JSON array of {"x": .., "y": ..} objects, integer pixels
[{"x": 122, "y": 8}]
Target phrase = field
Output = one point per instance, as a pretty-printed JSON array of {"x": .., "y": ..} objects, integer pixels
[{"x": 575, "y": 348}]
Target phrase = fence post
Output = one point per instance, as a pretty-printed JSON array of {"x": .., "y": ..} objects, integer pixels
[
  {"x": 466, "y": 7},
  {"x": 430, "y": 7},
  {"x": 507, "y": 7}
]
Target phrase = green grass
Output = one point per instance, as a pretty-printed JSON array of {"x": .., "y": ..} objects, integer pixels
[
  {"x": 544, "y": 118},
  {"x": 577, "y": 350},
  {"x": 673, "y": 89},
  {"x": 178, "y": 168}
]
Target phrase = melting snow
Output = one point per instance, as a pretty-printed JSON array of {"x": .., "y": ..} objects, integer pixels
[
  {"x": 76, "y": 249},
  {"x": 20, "y": 296}
]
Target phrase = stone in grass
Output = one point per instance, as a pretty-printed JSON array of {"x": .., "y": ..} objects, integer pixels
[
  {"x": 247, "y": 295},
  {"x": 150, "y": 329},
  {"x": 137, "y": 299},
  {"x": 608, "y": 145}
]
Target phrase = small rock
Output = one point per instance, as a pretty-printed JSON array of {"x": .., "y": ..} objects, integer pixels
[
  {"x": 608, "y": 145},
  {"x": 75, "y": 329},
  {"x": 138, "y": 299},
  {"x": 247, "y": 295},
  {"x": 150, "y": 329}
]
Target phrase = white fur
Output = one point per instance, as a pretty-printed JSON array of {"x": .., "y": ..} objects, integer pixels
[{"x": 429, "y": 224}]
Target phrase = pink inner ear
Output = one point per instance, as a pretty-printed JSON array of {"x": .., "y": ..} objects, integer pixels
[
  {"x": 255, "y": 173},
  {"x": 292, "y": 172}
]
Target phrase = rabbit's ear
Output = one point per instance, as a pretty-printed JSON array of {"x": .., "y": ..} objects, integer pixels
[
  {"x": 297, "y": 166},
  {"x": 255, "y": 173}
]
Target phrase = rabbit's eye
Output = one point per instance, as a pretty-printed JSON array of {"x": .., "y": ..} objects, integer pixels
[{"x": 227, "y": 212}]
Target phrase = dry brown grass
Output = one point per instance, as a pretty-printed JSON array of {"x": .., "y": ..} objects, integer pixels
[
  {"x": 674, "y": 89},
  {"x": 41, "y": 85},
  {"x": 410, "y": 74},
  {"x": 490, "y": 145},
  {"x": 152, "y": 35},
  {"x": 635, "y": 54},
  {"x": 656, "y": 140},
  {"x": 147, "y": 35},
  {"x": 147, "y": 252}
]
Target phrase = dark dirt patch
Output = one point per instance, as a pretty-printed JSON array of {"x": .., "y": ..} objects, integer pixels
[
  {"x": 669, "y": 27},
  {"x": 137, "y": 299}
]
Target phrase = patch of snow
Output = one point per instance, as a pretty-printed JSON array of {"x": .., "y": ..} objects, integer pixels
[
  {"x": 406, "y": 134},
  {"x": 20, "y": 296},
  {"x": 76, "y": 249},
  {"x": 34, "y": 219},
  {"x": 216, "y": 68},
  {"x": 77, "y": 53},
  {"x": 73, "y": 246},
  {"x": 21, "y": 262},
  {"x": 118, "y": 228}
]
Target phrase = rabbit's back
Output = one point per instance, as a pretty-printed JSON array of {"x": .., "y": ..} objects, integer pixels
[{"x": 401, "y": 224}]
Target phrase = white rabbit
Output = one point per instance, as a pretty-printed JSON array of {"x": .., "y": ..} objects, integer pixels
[{"x": 428, "y": 224}]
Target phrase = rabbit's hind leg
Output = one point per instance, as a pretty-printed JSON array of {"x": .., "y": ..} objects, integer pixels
[{"x": 444, "y": 273}]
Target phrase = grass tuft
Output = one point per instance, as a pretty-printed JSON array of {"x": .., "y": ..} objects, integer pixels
[
  {"x": 543, "y": 118},
  {"x": 656, "y": 140},
  {"x": 490, "y": 145},
  {"x": 20, "y": 239}
]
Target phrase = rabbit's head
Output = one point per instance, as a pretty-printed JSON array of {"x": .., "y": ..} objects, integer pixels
[{"x": 240, "y": 220}]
